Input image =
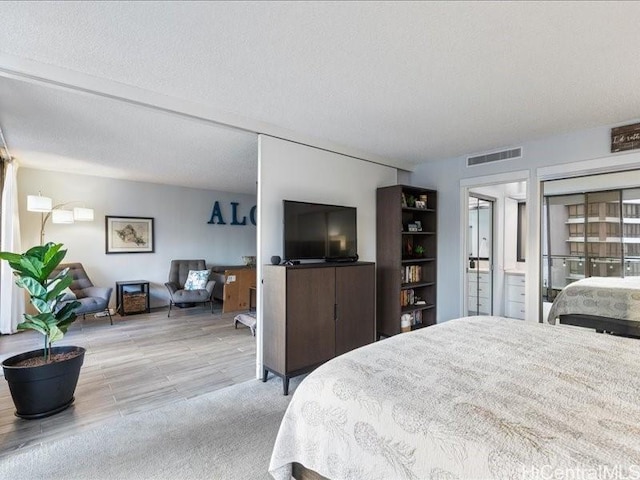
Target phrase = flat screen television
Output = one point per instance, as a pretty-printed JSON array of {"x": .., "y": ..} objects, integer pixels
[{"x": 315, "y": 231}]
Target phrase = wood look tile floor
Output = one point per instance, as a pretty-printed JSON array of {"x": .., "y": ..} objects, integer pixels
[{"x": 142, "y": 362}]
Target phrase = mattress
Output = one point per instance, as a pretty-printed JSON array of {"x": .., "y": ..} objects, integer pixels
[
  {"x": 610, "y": 297},
  {"x": 477, "y": 397}
]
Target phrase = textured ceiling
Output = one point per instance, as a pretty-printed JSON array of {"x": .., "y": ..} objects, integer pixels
[
  {"x": 411, "y": 81},
  {"x": 64, "y": 131}
]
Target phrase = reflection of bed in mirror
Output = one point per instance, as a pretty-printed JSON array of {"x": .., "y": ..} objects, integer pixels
[
  {"x": 478, "y": 397},
  {"x": 606, "y": 304}
]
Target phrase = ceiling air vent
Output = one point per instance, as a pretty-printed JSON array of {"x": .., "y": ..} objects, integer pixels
[{"x": 494, "y": 157}]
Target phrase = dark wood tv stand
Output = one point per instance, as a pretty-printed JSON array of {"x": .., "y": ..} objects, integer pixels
[{"x": 314, "y": 312}]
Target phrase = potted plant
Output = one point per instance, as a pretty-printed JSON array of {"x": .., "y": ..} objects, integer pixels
[
  {"x": 418, "y": 251},
  {"x": 42, "y": 382}
]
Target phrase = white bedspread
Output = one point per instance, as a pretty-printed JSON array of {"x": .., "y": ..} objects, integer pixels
[
  {"x": 611, "y": 297},
  {"x": 478, "y": 397}
]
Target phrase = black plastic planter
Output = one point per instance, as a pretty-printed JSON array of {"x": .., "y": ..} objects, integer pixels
[{"x": 44, "y": 390}]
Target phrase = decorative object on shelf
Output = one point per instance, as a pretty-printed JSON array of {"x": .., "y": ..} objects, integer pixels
[
  {"x": 418, "y": 251},
  {"x": 275, "y": 260},
  {"x": 250, "y": 261},
  {"x": 405, "y": 322},
  {"x": 418, "y": 225},
  {"x": 420, "y": 204},
  {"x": 412, "y": 227},
  {"x": 57, "y": 213},
  {"x": 411, "y": 201},
  {"x": 404, "y": 200},
  {"x": 129, "y": 234},
  {"x": 42, "y": 382}
]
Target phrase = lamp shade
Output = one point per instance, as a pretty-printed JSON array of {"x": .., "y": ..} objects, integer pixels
[
  {"x": 83, "y": 214},
  {"x": 62, "y": 216},
  {"x": 37, "y": 203}
]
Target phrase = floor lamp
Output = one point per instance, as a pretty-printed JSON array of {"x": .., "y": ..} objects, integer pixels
[{"x": 57, "y": 213}]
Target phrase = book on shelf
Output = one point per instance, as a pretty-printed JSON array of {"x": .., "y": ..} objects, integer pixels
[
  {"x": 407, "y": 297},
  {"x": 412, "y": 274}
]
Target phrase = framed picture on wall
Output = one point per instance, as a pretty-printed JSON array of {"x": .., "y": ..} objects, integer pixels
[{"x": 129, "y": 234}]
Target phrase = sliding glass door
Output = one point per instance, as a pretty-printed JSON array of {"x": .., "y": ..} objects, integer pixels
[
  {"x": 631, "y": 232},
  {"x": 595, "y": 234}
]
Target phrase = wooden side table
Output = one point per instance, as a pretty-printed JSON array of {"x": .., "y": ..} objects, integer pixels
[{"x": 137, "y": 288}]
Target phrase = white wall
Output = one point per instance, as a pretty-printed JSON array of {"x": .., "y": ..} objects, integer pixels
[
  {"x": 180, "y": 216},
  {"x": 291, "y": 171},
  {"x": 553, "y": 157}
]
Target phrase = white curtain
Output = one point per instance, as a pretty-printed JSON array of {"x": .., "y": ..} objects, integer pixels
[{"x": 11, "y": 297}]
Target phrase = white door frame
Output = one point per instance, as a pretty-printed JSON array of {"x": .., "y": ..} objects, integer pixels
[{"x": 467, "y": 184}]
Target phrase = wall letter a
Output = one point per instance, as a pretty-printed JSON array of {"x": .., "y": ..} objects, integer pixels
[{"x": 216, "y": 213}]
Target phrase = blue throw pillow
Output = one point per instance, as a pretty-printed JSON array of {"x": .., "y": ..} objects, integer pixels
[{"x": 197, "y": 280}]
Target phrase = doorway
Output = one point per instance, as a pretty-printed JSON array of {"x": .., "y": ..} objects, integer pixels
[
  {"x": 479, "y": 255},
  {"x": 494, "y": 247}
]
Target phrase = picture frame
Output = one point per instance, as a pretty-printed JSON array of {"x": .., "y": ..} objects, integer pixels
[
  {"x": 420, "y": 204},
  {"x": 129, "y": 234}
]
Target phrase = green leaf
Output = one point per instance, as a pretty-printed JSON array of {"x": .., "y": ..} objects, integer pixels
[
  {"x": 67, "y": 313},
  {"x": 55, "y": 334},
  {"x": 54, "y": 288},
  {"x": 38, "y": 251},
  {"x": 51, "y": 263},
  {"x": 60, "y": 275},
  {"x": 50, "y": 252},
  {"x": 32, "y": 326},
  {"x": 41, "y": 305},
  {"x": 63, "y": 324},
  {"x": 32, "y": 286},
  {"x": 31, "y": 267},
  {"x": 10, "y": 257},
  {"x": 42, "y": 319}
]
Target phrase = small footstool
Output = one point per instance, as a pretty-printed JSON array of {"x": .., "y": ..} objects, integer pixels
[{"x": 247, "y": 319}]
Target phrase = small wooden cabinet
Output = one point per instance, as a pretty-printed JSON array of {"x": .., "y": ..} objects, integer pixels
[
  {"x": 406, "y": 258},
  {"x": 132, "y": 296},
  {"x": 313, "y": 313}
]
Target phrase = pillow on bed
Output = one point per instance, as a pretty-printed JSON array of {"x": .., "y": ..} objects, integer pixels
[{"x": 196, "y": 280}]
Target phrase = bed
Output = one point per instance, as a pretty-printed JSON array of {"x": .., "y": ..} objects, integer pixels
[
  {"x": 609, "y": 304},
  {"x": 477, "y": 397}
]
